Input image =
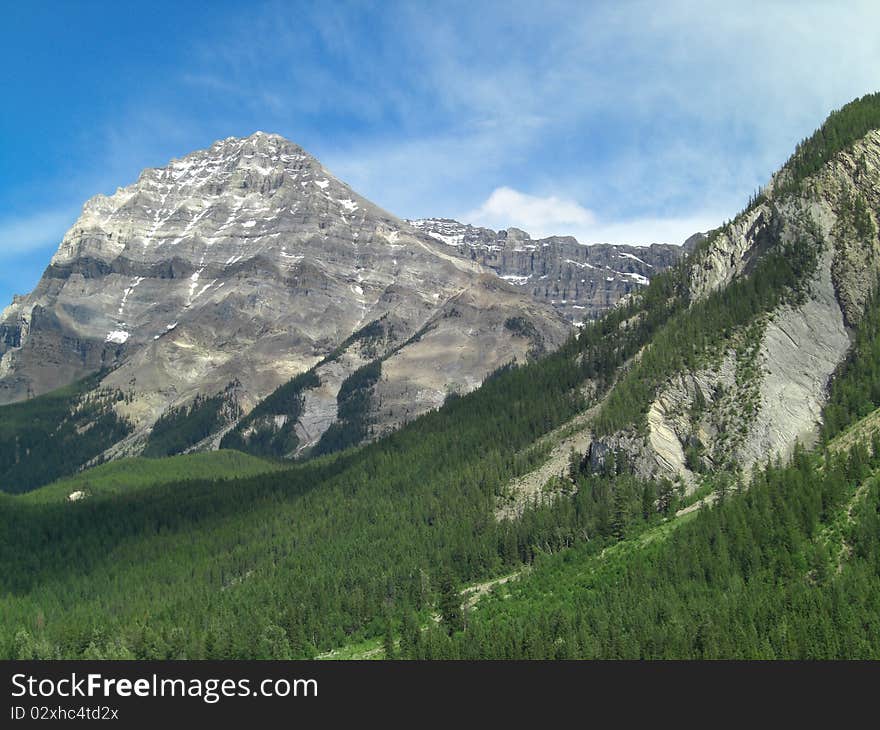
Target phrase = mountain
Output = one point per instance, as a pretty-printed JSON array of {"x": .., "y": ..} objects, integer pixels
[
  {"x": 582, "y": 282},
  {"x": 770, "y": 303},
  {"x": 209, "y": 283}
]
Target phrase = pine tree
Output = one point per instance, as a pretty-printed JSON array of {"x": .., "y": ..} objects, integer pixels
[
  {"x": 574, "y": 465},
  {"x": 665, "y": 496},
  {"x": 619, "y": 521},
  {"x": 451, "y": 613},
  {"x": 722, "y": 487},
  {"x": 388, "y": 641},
  {"x": 410, "y": 635},
  {"x": 648, "y": 508}
]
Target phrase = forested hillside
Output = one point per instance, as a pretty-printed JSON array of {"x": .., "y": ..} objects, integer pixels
[
  {"x": 842, "y": 127},
  {"x": 286, "y": 563},
  {"x": 789, "y": 569},
  {"x": 55, "y": 434}
]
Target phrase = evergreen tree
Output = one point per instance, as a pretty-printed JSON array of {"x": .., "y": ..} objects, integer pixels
[
  {"x": 388, "y": 640},
  {"x": 449, "y": 604},
  {"x": 666, "y": 497},
  {"x": 574, "y": 465},
  {"x": 648, "y": 505},
  {"x": 620, "y": 519}
]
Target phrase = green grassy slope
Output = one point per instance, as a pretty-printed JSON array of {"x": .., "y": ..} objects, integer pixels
[{"x": 127, "y": 475}]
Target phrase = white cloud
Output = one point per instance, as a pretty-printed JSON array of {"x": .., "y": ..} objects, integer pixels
[
  {"x": 43, "y": 229},
  {"x": 551, "y": 215},
  {"x": 643, "y": 231},
  {"x": 547, "y": 216}
]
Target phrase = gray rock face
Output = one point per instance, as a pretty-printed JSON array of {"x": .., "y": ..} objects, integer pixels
[
  {"x": 249, "y": 261},
  {"x": 582, "y": 282},
  {"x": 767, "y": 389},
  {"x": 759, "y": 399}
]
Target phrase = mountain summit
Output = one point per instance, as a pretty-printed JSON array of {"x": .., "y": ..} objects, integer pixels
[{"x": 232, "y": 270}]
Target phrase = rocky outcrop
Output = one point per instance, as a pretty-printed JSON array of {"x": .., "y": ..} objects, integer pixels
[
  {"x": 764, "y": 391},
  {"x": 765, "y": 395}
]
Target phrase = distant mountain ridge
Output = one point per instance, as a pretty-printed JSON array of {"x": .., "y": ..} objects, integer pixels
[{"x": 581, "y": 281}]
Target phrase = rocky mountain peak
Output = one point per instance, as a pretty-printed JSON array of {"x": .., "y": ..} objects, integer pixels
[
  {"x": 238, "y": 187},
  {"x": 517, "y": 234},
  {"x": 249, "y": 262}
]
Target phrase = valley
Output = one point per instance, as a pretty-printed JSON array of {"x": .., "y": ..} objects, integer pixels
[{"x": 691, "y": 473}]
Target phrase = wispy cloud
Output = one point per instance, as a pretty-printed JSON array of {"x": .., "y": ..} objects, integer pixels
[
  {"x": 651, "y": 113},
  {"x": 554, "y": 216},
  {"x": 633, "y": 121},
  {"x": 41, "y": 230}
]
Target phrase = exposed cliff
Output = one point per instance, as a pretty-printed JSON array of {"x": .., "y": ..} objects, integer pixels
[
  {"x": 759, "y": 385},
  {"x": 581, "y": 281}
]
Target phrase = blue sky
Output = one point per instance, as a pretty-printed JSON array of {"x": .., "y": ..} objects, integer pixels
[{"x": 613, "y": 121}]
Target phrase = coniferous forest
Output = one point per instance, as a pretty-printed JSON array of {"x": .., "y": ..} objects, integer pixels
[{"x": 372, "y": 542}]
